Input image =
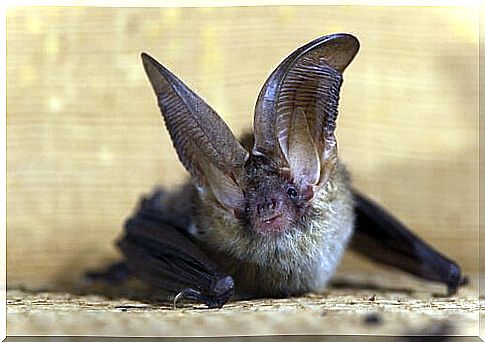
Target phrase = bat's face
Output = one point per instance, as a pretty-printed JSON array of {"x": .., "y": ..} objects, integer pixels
[
  {"x": 270, "y": 185},
  {"x": 274, "y": 202}
]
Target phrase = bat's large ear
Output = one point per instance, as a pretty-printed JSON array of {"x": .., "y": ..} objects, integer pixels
[
  {"x": 296, "y": 109},
  {"x": 205, "y": 145}
]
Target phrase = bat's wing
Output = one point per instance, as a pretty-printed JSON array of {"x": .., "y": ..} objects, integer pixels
[
  {"x": 381, "y": 237},
  {"x": 161, "y": 255}
]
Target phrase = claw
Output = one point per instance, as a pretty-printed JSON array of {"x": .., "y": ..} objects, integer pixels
[{"x": 186, "y": 293}]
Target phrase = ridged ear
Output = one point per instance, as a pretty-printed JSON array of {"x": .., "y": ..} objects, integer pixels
[
  {"x": 204, "y": 144},
  {"x": 296, "y": 110}
]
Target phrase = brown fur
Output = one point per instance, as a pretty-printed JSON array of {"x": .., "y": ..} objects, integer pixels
[{"x": 301, "y": 260}]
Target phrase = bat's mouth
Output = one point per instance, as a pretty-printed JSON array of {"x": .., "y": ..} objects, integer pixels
[
  {"x": 270, "y": 218},
  {"x": 274, "y": 222}
]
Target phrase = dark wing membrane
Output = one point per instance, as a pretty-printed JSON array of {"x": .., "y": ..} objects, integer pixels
[
  {"x": 159, "y": 254},
  {"x": 384, "y": 239}
]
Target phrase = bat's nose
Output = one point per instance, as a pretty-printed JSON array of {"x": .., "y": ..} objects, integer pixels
[{"x": 268, "y": 207}]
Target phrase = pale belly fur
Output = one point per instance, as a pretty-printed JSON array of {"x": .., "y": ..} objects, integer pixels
[{"x": 299, "y": 261}]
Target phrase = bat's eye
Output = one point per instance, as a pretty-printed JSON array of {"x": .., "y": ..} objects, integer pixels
[{"x": 292, "y": 193}]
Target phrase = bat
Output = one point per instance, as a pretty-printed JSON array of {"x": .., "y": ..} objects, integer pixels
[{"x": 271, "y": 214}]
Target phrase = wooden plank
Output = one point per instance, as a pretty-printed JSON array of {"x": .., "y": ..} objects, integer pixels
[{"x": 374, "y": 304}]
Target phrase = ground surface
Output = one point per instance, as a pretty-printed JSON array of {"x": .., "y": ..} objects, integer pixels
[{"x": 353, "y": 304}]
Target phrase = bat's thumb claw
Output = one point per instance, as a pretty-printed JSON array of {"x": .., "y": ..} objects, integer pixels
[{"x": 187, "y": 293}]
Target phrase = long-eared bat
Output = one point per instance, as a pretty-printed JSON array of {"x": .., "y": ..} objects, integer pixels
[{"x": 272, "y": 214}]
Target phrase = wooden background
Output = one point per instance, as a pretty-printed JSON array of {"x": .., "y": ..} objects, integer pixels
[{"x": 85, "y": 138}]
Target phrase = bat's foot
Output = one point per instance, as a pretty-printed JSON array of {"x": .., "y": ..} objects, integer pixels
[{"x": 222, "y": 291}]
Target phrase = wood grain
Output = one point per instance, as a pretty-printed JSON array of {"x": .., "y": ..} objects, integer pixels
[
  {"x": 384, "y": 307},
  {"x": 85, "y": 138}
]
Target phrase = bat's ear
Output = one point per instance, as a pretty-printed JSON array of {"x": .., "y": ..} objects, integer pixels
[
  {"x": 205, "y": 145},
  {"x": 296, "y": 110}
]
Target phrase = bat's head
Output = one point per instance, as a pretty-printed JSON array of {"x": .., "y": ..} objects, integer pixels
[
  {"x": 274, "y": 202},
  {"x": 269, "y": 185}
]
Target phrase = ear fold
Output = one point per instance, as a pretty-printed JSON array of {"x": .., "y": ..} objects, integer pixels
[
  {"x": 301, "y": 152},
  {"x": 204, "y": 144},
  {"x": 297, "y": 108}
]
